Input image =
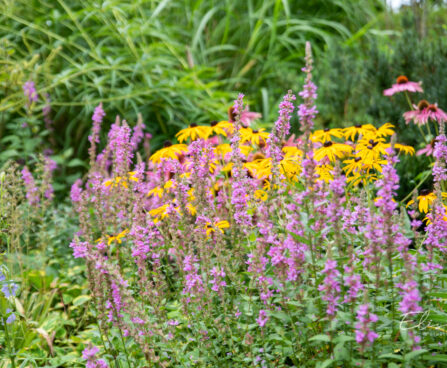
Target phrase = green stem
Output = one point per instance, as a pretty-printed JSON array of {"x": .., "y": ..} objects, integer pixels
[{"x": 9, "y": 344}]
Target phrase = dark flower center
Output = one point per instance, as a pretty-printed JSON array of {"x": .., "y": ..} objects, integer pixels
[
  {"x": 425, "y": 192},
  {"x": 358, "y": 126},
  {"x": 213, "y": 123},
  {"x": 258, "y": 156},
  {"x": 423, "y": 104},
  {"x": 372, "y": 144},
  {"x": 402, "y": 79},
  {"x": 433, "y": 108},
  {"x": 167, "y": 144},
  {"x": 193, "y": 125},
  {"x": 255, "y": 131},
  {"x": 231, "y": 114},
  {"x": 357, "y": 159},
  {"x": 326, "y": 130},
  {"x": 327, "y": 144}
]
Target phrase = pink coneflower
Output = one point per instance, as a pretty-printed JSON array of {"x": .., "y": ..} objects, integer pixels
[
  {"x": 403, "y": 84},
  {"x": 424, "y": 112},
  {"x": 246, "y": 116},
  {"x": 427, "y": 150}
]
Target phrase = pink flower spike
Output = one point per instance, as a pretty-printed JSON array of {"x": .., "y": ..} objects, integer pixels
[{"x": 403, "y": 84}]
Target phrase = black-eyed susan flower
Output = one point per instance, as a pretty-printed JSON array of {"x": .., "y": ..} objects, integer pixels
[
  {"x": 157, "y": 191},
  {"x": 407, "y": 150},
  {"x": 425, "y": 199},
  {"x": 222, "y": 127},
  {"x": 358, "y": 130},
  {"x": 332, "y": 151},
  {"x": 385, "y": 130},
  {"x": 118, "y": 238},
  {"x": 193, "y": 132},
  {"x": 370, "y": 149},
  {"x": 325, "y": 135},
  {"x": 260, "y": 168},
  {"x": 324, "y": 173},
  {"x": 171, "y": 151},
  {"x": 261, "y": 195},
  {"x": 253, "y": 136},
  {"x": 292, "y": 151},
  {"x": 216, "y": 226}
]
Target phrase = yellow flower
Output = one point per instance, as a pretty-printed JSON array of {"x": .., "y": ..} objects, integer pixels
[
  {"x": 121, "y": 180},
  {"x": 385, "y": 130},
  {"x": 407, "y": 150},
  {"x": 292, "y": 151},
  {"x": 157, "y": 191},
  {"x": 194, "y": 131},
  {"x": 370, "y": 149},
  {"x": 222, "y": 150},
  {"x": 169, "y": 150},
  {"x": 219, "y": 226},
  {"x": 222, "y": 127},
  {"x": 326, "y": 135},
  {"x": 159, "y": 213},
  {"x": 352, "y": 131},
  {"x": 118, "y": 237},
  {"x": 332, "y": 151},
  {"x": 425, "y": 200},
  {"x": 290, "y": 166},
  {"x": 324, "y": 173},
  {"x": 260, "y": 168},
  {"x": 191, "y": 209},
  {"x": 253, "y": 136},
  {"x": 260, "y": 194},
  {"x": 356, "y": 165}
]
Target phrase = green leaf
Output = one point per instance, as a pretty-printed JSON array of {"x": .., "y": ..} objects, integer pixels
[
  {"x": 391, "y": 356},
  {"x": 81, "y": 299},
  {"x": 324, "y": 338},
  {"x": 412, "y": 355}
]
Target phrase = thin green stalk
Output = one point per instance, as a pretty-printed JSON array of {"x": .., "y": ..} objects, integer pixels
[{"x": 9, "y": 344}]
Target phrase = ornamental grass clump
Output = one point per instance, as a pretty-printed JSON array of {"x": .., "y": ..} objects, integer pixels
[{"x": 238, "y": 247}]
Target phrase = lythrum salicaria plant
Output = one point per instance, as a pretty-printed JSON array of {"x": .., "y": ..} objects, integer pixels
[{"x": 238, "y": 247}]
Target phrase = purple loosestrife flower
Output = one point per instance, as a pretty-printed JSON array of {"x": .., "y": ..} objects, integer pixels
[
  {"x": 240, "y": 195},
  {"x": 354, "y": 283},
  {"x": 138, "y": 134},
  {"x": 330, "y": 286},
  {"x": 193, "y": 281},
  {"x": 363, "y": 333},
  {"x": 80, "y": 249},
  {"x": 440, "y": 155},
  {"x": 281, "y": 128},
  {"x": 307, "y": 111},
  {"x": 218, "y": 280},
  {"x": 76, "y": 191},
  {"x": 97, "y": 117},
  {"x": 89, "y": 354},
  {"x": 32, "y": 192},
  {"x": 263, "y": 318},
  {"x": 410, "y": 298},
  {"x": 29, "y": 89}
]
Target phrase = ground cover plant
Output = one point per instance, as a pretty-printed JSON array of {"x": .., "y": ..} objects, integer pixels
[{"x": 238, "y": 247}]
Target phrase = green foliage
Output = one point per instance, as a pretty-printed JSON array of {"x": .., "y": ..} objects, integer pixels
[{"x": 176, "y": 62}]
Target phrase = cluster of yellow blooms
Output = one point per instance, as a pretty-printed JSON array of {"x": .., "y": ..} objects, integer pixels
[{"x": 359, "y": 150}]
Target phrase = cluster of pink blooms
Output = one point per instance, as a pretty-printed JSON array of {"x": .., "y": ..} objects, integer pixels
[{"x": 89, "y": 354}]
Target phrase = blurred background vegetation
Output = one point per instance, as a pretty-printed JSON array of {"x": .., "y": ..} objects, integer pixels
[{"x": 183, "y": 61}]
